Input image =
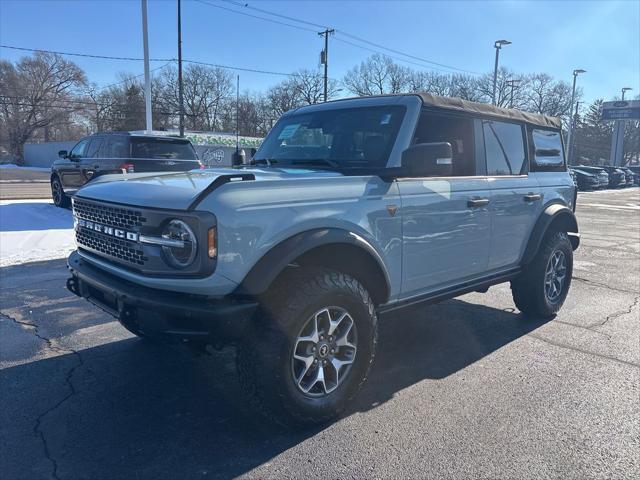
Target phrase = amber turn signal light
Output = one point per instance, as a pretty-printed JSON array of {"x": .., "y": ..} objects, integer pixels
[{"x": 212, "y": 242}]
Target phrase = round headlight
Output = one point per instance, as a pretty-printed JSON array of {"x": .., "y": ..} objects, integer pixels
[{"x": 185, "y": 244}]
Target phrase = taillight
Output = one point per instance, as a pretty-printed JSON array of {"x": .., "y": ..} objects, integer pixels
[{"x": 127, "y": 168}]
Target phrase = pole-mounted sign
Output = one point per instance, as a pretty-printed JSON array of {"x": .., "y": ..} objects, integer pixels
[{"x": 621, "y": 110}]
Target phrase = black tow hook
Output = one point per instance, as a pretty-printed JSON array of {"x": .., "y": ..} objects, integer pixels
[{"x": 72, "y": 286}]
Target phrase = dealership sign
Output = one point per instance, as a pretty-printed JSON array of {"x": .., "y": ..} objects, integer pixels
[{"x": 621, "y": 110}]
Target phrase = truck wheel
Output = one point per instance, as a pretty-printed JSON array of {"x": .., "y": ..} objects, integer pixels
[
  {"x": 311, "y": 352},
  {"x": 544, "y": 284},
  {"x": 60, "y": 199}
]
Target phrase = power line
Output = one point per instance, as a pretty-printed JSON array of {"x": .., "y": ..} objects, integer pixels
[
  {"x": 306, "y": 22},
  {"x": 168, "y": 60},
  {"x": 387, "y": 55},
  {"x": 341, "y": 32},
  {"x": 69, "y": 54},
  {"x": 338, "y": 31},
  {"x": 204, "y": 2}
]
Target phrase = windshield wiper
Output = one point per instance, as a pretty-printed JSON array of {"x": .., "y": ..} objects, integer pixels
[{"x": 316, "y": 161}]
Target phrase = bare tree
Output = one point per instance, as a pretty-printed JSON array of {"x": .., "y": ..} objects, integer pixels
[
  {"x": 309, "y": 86},
  {"x": 378, "y": 75},
  {"x": 34, "y": 94}
]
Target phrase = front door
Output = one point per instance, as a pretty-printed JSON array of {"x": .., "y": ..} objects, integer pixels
[
  {"x": 70, "y": 173},
  {"x": 446, "y": 221},
  {"x": 446, "y": 227}
]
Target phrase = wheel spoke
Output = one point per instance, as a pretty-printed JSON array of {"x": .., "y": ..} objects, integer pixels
[
  {"x": 333, "y": 325},
  {"x": 308, "y": 362},
  {"x": 319, "y": 378}
]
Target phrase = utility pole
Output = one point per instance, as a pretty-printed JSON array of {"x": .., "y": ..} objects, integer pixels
[
  {"x": 512, "y": 83},
  {"x": 324, "y": 58},
  {"x": 147, "y": 78},
  {"x": 573, "y": 97},
  {"x": 625, "y": 90},
  {"x": 180, "y": 87}
]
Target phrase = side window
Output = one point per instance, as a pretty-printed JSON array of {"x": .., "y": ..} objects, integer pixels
[
  {"x": 454, "y": 129},
  {"x": 547, "y": 150},
  {"x": 116, "y": 147},
  {"x": 94, "y": 146},
  {"x": 504, "y": 147},
  {"x": 80, "y": 148}
]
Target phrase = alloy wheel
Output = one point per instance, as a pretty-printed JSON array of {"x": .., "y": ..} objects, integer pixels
[
  {"x": 324, "y": 351},
  {"x": 555, "y": 275}
]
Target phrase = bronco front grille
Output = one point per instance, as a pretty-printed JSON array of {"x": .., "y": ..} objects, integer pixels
[
  {"x": 115, "y": 217},
  {"x": 113, "y": 247},
  {"x": 108, "y": 215}
]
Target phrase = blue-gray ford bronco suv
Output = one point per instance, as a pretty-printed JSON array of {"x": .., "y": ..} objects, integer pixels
[{"x": 351, "y": 209}]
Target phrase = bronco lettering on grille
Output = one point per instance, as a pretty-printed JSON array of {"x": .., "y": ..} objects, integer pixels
[{"x": 114, "y": 232}]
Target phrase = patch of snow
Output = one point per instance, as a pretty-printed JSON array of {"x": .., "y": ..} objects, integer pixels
[
  {"x": 34, "y": 169},
  {"x": 34, "y": 230}
]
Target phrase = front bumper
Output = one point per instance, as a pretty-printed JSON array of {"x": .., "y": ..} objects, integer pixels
[{"x": 161, "y": 313}]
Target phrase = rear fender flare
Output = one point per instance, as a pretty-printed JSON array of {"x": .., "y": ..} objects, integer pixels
[{"x": 554, "y": 216}]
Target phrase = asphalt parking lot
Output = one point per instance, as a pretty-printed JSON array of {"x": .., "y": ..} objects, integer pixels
[{"x": 465, "y": 389}]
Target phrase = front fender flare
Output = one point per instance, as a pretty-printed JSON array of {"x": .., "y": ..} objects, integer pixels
[
  {"x": 265, "y": 271},
  {"x": 556, "y": 215}
]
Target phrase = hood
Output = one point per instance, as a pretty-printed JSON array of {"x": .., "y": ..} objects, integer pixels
[
  {"x": 583, "y": 172},
  {"x": 179, "y": 190}
]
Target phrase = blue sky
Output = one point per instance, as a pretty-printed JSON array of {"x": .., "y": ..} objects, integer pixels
[{"x": 602, "y": 37}]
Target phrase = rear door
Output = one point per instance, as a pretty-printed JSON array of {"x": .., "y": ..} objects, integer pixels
[
  {"x": 445, "y": 220},
  {"x": 516, "y": 197}
]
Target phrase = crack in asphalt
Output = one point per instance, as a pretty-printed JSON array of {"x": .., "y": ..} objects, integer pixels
[
  {"x": 37, "y": 430},
  {"x": 604, "y": 285},
  {"x": 626, "y": 311},
  {"x": 586, "y": 352}
]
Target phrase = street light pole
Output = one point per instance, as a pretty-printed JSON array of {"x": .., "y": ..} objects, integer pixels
[
  {"x": 625, "y": 90},
  {"x": 147, "y": 78},
  {"x": 497, "y": 45},
  {"x": 180, "y": 86},
  {"x": 573, "y": 97}
]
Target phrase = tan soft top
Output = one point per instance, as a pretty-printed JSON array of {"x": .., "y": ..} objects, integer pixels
[{"x": 458, "y": 104}]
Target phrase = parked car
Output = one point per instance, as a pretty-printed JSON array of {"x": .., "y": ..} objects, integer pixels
[
  {"x": 118, "y": 152},
  {"x": 599, "y": 172},
  {"x": 586, "y": 180},
  {"x": 617, "y": 177},
  {"x": 629, "y": 176},
  {"x": 574, "y": 177},
  {"x": 352, "y": 210},
  {"x": 636, "y": 173}
]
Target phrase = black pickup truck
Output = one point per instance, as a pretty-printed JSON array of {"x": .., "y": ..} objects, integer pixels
[{"x": 118, "y": 152}]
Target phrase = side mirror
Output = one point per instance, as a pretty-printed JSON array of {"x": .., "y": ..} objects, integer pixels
[
  {"x": 428, "y": 160},
  {"x": 63, "y": 154}
]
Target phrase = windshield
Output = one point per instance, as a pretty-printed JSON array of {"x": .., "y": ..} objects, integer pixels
[
  {"x": 162, "y": 148},
  {"x": 340, "y": 138}
]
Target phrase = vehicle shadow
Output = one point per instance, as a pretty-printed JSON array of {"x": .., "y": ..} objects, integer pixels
[{"x": 131, "y": 409}]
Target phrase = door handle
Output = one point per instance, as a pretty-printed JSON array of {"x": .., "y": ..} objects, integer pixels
[
  {"x": 532, "y": 197},
  {"x": 477, "y": 202}
]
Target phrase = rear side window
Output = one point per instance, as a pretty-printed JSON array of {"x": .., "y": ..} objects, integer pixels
[
  {"x": 160, "y": 148},
  {"x": 547, "y": 150},
  {"x": 115, "y": 147},
  {"x": 504, "y": 147},
  {"x": 94, "y": 146}
]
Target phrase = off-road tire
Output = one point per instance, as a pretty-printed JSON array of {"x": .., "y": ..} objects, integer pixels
[
  {"x": 264, "y": 358},
  {"x": 528, "y": 289},
  {"x": 60, "y": 199}
]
